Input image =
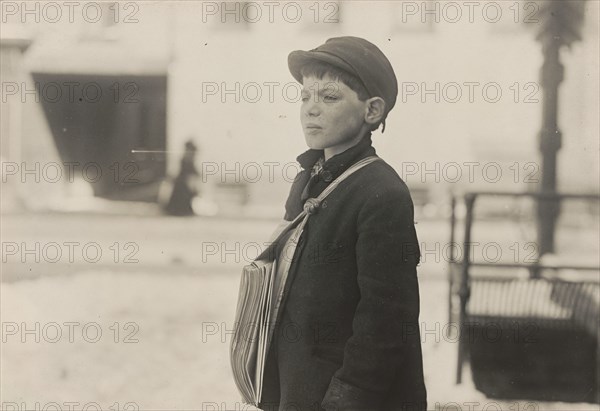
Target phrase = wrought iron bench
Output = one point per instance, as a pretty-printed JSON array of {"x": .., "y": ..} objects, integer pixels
[{"x": 532, "y": 336}]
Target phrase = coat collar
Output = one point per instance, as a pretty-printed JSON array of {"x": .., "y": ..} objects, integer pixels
[{"x": 337, "y": 164}]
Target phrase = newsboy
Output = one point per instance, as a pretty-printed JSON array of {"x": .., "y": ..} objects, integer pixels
[{"x": 347, "y": 336}]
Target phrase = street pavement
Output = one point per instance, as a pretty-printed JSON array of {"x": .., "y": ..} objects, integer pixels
[{"x": 162, "y": 292}]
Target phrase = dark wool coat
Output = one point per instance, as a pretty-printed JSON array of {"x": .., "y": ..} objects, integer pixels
[{"x": 347, "y": 335}]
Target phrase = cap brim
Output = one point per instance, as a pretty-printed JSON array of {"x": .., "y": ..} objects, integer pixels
[{"x": 299, "y": 58}]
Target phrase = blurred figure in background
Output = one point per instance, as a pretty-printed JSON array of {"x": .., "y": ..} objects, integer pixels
[{"x": 185, "y": 185}]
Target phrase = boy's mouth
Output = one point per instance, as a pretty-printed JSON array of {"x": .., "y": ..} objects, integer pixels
[{"x": 313, "y": 127}]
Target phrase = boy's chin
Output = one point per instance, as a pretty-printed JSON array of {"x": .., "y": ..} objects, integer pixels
[
  {"x": 314, "y": 143},
  {"x": 318, "y": 143}
]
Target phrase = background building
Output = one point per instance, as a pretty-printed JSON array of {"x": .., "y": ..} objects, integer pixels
[{"x": 217, "y": 73}]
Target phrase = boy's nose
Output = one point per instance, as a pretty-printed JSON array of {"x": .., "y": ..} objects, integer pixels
[{"x": 312, "y": 109}]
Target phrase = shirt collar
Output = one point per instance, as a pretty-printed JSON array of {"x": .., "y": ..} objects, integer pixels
[{"x": 341, "y": 161}]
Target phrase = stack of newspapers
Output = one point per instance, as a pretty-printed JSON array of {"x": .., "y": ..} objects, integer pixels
[{"x": 248, "y": 348}]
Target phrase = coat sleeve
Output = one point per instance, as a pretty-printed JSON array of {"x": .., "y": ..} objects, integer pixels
[{"x": 387, "y": 254}]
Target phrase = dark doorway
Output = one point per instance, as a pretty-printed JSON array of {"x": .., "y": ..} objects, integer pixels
[{"x": 99, "y": 122}]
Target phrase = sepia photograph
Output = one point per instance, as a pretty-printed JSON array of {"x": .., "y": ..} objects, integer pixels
[{"x": 333, "y": 205}]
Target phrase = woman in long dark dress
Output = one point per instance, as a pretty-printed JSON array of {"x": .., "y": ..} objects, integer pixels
[{"x": 184, "y": 187}]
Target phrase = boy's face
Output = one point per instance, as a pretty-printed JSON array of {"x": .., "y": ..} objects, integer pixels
[{"x": 331, "y": 113}]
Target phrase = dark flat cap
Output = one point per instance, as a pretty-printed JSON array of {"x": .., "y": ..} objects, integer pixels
[{"x": 358, "y": 57}]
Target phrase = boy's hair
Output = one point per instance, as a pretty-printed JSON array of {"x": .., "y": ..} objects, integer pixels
[{"x": 320, "y": 69}]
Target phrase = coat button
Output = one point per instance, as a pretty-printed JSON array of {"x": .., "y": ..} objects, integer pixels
[{"x": 327, "y": 177}]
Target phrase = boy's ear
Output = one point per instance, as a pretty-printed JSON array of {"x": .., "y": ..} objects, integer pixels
[{"x": 375, "y": 110}]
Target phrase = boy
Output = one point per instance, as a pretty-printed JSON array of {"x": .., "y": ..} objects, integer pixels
[{"x": 348, "y": 333}]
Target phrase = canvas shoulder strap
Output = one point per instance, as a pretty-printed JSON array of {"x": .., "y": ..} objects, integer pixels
[{"x": 312, "y": 204}]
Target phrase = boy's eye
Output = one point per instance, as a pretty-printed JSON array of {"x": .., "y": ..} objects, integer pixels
[
  {"x": 305, "y": 97},
  {"x": 331, "y": 98}
]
